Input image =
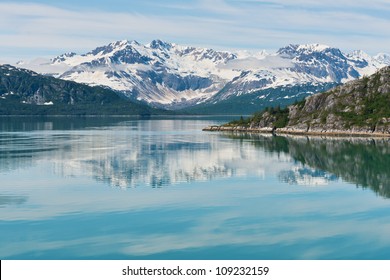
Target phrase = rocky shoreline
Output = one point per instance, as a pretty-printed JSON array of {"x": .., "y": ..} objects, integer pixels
[
  {"x": 295, "y": 131},
  {"x": 357, "y": 108}
]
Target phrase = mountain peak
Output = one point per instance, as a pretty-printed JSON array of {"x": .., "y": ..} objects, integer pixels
[
  {"x": 313, "y": 47},
  {"x": 158, "y": 44},
  {"x": 114, "y": 46},
  {"x": 63, "y": 57},
  {"x": 294, "y": 49},
  {"x": 383, "y": 58},
  {"x": 359, "y": 55}
]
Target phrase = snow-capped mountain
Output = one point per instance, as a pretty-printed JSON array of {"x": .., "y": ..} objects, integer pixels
[
  {"x": 382, "y": 58},
  {"x": 173, "y": 76}
]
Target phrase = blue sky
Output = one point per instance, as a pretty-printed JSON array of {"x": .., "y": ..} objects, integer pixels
[{"x": 31, "y": 29}]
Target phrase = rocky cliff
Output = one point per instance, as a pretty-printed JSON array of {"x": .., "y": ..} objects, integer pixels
[{"x": 357, "y": 107}]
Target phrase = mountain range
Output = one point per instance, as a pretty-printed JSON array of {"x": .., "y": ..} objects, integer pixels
[{"x": 171, "y": 76}]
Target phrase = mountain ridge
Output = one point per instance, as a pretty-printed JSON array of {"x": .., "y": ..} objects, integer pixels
[
  {"x": 24, "y": 92},
  {"x": 168, "y": 75}
]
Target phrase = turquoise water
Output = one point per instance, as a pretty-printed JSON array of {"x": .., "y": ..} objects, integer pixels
[{"x": 102, "y": 188}]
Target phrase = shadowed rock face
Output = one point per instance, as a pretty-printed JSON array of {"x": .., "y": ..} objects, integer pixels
[
  {"x": 362, "y": 161},
  {"x": 176, "y": 82}
]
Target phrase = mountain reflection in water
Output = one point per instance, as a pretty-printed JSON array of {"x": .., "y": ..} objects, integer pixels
[
  {"x": 362, "y": 161},
  {"x": 158, "y": 153},
  {"x": 103, "y": 188}
]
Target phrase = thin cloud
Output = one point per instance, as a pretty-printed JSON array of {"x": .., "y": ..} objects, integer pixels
[
  {"x": 308, "y": 4},
  {"x": 33, "y": 29},
  {"x": 218, "y": 6}
]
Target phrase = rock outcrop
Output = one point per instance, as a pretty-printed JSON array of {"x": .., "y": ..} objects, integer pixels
[
  {"x": 361, "y": 106},
  {"x": 356, "y": 108}
]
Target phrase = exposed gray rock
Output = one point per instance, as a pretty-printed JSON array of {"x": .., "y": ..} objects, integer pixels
[{"x": 360, "y": 107}]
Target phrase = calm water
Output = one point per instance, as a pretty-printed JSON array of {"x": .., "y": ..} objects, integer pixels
[{"x": 163, "y": 189}]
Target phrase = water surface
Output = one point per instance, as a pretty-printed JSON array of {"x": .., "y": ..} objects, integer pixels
[{"x": 105, "y": 188}]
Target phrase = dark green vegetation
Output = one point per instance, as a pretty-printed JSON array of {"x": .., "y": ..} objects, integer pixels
[
  {"x": 364, "y": 162},
  {"x": 374, "y": 105},
  {"x": 24, "y": 92},
  {"x": 258, "y": 100},
  {"x": 277, "y": 116},
  {"x": 361, "y": 106}
]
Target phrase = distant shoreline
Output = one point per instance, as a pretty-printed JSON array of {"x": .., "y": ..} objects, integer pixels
[{"x": 293, "y": 131}]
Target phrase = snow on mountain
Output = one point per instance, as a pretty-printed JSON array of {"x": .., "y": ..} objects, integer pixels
[
  {"x": 365, "y": 64},
  {"x": 171, "y": 75},
  {"x": 382, "y": 58},
  {"x": 322, "y": 63}
]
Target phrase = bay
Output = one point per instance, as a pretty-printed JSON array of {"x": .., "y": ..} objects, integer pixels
[{"x": 129, "y": 188}]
